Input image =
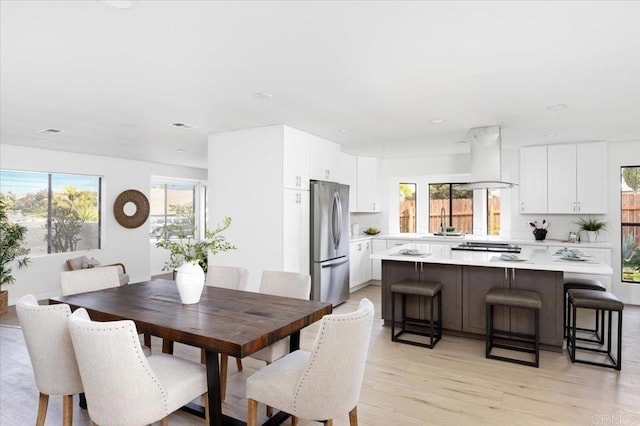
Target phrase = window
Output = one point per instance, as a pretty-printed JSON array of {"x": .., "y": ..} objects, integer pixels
[
  {"x": 452, "y": 202},
  {"x": 60, "y": 211},
  {"x": 408, "y": 207},
  {"x": 178, "y": 210},
  {"x": 630, "y": 223},
  {"x": 493, "y": 212}
]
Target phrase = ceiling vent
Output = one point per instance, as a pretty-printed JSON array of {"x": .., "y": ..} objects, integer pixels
[
  {"x": 49, "y": 130},
  {"x": 486, "y": 157}
]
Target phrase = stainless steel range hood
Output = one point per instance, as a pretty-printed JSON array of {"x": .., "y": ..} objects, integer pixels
[{"x": 486, "y": 159}]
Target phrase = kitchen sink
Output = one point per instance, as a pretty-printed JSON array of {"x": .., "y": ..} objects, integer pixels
[{"x": 448, "y": 234}]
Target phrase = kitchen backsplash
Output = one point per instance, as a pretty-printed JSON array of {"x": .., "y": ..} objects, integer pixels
[
  {"x": 368, "y": 220},
  {"x": 559, "y": 227}
]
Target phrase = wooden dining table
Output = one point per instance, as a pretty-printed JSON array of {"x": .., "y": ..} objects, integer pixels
[{"x": 232, "y": 322}]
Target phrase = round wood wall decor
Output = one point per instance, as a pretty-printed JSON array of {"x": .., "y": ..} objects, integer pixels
[{"x": 141, "y": 203}]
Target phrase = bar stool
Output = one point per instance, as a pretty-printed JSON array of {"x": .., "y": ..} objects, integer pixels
[
  {"x": 521, "y": 342},
  {"x": 584, "y": 284},
  {"x": 429, "y": 289},
  {"x": 607, "y": 303}
]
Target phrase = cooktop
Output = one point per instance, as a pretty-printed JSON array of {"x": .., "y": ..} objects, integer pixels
[{"x": 493, "y": 247}]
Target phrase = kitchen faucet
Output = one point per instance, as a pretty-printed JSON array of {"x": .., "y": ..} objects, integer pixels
[{"x": 443, "y": 228}]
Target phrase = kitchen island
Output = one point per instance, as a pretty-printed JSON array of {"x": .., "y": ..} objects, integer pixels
[{"x": 467, "y": 276}]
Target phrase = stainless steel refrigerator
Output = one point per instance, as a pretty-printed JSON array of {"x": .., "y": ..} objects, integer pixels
[{"x": 329, "y": 242}]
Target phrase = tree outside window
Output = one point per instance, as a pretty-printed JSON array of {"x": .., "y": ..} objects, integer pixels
[
  {"x": 61, "y": 212},
  {"x": 408, "y": 207}
]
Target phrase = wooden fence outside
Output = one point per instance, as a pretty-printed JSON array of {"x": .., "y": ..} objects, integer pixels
[{"x": 462, "y": 215}]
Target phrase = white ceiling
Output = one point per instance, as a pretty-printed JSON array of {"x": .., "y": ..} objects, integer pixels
[{"x": 114, "y": 79}]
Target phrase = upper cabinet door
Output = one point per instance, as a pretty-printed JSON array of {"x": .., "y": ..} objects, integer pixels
[
  {"x": 533, "y": 179},
  {"x": 591, "y": 178},
  {"x": 368, "y": 199},
  {"x": 561, "y": 160},
  {"x": 349, "y": 176},
  {"x": 325, "y": 159},
  {"x": 295, "y": 161}
]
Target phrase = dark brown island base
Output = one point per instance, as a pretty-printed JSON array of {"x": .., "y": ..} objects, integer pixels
[{"x": 463, "y": 298}]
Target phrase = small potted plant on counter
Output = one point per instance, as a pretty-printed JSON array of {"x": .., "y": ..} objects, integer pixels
[{"x": 592, "y": 227}]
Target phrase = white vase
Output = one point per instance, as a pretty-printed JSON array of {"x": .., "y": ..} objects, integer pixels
[
  {"x": 592, "y": 236},
  {"x": 190, "y": 282}
]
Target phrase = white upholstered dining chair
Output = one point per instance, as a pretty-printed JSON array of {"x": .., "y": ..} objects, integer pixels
[
  {"x": 234, "y": 278},
  {"x": 46, "y": 333},
  {"x": 324, "y": 383},
  {"x": 286, "y": 284},
  {"x": 121, "y": 385},
  {"x": 93, "y": 279}
]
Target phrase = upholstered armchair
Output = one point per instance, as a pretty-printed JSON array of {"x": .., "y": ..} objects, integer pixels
[{"x": 85, "y": 262}]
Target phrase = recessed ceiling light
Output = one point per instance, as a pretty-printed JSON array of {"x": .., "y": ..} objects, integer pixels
[
  {"x": 265, "y": 96},
  {"x": 437, "y": 121},
  {"x": 550, "y": 135},
  {"x": 49, "y": 130},
  {"x": 118, "y": 4},
  {"x": 343, "y": 130},
  {"x": 557, "y": 107},
  {"x": 181, "y": 151},
  {"x": 462, "y": 143},
  {"x": 182, "y": 125}
]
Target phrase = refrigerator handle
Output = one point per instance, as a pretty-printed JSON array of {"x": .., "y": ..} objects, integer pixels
[
  {"x": 332, "y": 264},
  {"x": 335, "y": 220}
]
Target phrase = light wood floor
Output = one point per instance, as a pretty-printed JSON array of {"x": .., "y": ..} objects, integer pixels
[{"x": 452, "y": 384}]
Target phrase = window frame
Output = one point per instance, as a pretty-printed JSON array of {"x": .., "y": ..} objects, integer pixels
[
  {"x": 199, "y": 201},
  {"x": 450, "y": 209},
  {"x": 622, "y": 227},
  {"x": 50, "y": 176}
]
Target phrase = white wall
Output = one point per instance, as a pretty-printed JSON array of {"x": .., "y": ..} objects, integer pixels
[{"x": 119, "y": 244}]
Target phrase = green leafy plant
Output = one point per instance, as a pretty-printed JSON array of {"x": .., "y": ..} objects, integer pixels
[
  {"x": 11, "y": 249},
  {"x": 185, "y": 248},
  {"x": 591, "y": 224}
]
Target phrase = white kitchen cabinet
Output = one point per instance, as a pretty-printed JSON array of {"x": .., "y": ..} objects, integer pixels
[
  {"x": 564, "y": 179},
  {"x": 591, "y": 181},
  {"x": 377, "y": 246},
  {"x": 533, "y": 179},
  {"x": 349, "y": 176},
  {"x": 577, "y": 178},
  {"x": 361, "y": 174},
  {"x": 295, "y": 159},
  {"x": 367, "y": 178},
  {"x": 270, "y": 222},
  {"x": 295, "y": 219},
  {"x": 324, "y": 159},
  {"x": 359, "y": 263}
]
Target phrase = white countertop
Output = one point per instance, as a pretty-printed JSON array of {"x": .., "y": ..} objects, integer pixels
[
  {"x": 429, "y": 238},
  {"x": 536, "y": 259}
]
